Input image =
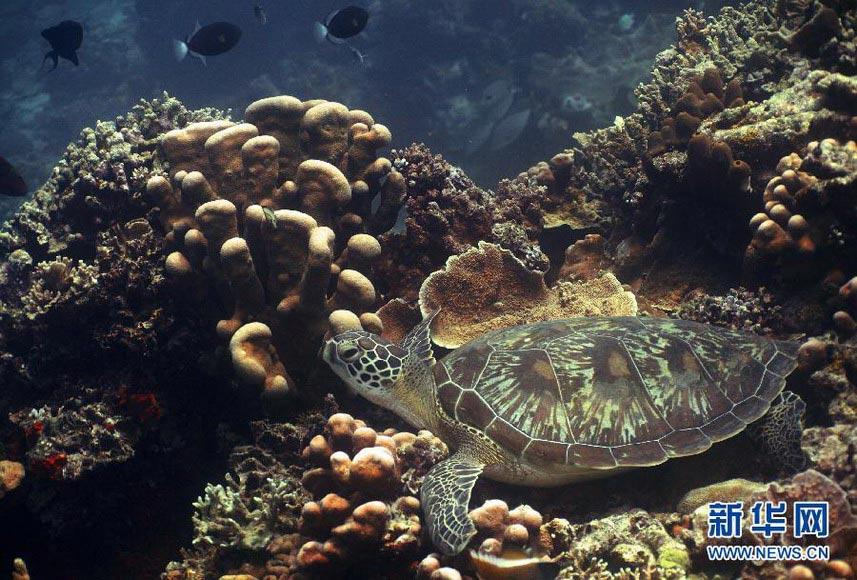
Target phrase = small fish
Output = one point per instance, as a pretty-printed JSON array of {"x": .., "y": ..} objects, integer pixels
[
  {"x": 11, "y": 182},
  {"x": 270, "y": 217},
  {"x": 65, "y": 38},
  {"x": 208, "y": 40},
  {"x": 509, "y": 129},
  {"x": 513, "y": 565},
  {"x": 497, "y": 98},
  {"x": 359, "y": 56},
  {"x": 260, "y": 14},
  {"x": 342, "y": 24}
]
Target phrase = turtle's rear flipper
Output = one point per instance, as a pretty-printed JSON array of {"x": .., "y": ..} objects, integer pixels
[
  {"x": 779, "y": 433},
  {"x": 445, "y": 495}
]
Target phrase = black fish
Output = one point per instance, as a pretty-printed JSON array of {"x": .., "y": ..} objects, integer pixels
[
  {"x": 65, "y": 39},
  {"x": 341, "y": 24},
  {"x": 208, "y": 40},
  {"x": 11, "y": 182},
  {"x": 260, "y": 14}
]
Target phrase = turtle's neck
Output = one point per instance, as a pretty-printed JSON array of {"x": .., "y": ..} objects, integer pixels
[{"x": 414, "y": 396}]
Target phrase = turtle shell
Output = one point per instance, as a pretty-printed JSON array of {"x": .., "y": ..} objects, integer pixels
[{"x": 612, "y": 391}]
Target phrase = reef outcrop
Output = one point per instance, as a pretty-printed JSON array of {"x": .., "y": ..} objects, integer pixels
[{"x": 178, "y": 263}]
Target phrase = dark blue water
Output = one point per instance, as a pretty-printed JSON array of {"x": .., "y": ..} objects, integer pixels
[{"x": 571, "y": 65}]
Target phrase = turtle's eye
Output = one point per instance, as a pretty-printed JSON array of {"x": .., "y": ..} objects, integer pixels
[{"x": 348, "y": 352}]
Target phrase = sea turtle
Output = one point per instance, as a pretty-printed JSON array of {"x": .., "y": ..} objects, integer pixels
[{"x": 560, "y": 401}]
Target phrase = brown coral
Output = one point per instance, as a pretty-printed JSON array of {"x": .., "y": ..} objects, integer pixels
[
  {"x": 11, "y": 474},
  {"x": 488, "y": 288},
  {"x": 808, "y": 215},
  {"x": 263, "y": 218},
  {"x": 364, "y": 484}
]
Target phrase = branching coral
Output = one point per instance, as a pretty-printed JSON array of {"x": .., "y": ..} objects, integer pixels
[
  {"x": 740, "y": 309},
  {"x": 99, "y": 182},
  {"x": 273, "y": 212},
  {"x": 232, "y": 516}
]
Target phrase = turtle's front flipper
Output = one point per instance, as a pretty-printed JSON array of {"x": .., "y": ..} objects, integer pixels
[
  {"x": 445, "y": 495},
  {"x": 780, "y": 431}
]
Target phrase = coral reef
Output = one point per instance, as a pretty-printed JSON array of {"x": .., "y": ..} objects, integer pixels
[
  {"x": 174, "y": 251},
  {"x": 487, "y": 288},
  {"x": 11, "y": 474},
  {"x": 634, "y": 540},
  {"x": 271, "y": 213},
  {"x": 447, "y": 215},
  {"x": 740, "y": 309}
]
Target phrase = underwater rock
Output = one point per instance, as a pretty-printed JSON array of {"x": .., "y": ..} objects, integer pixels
[{"x": 487, "y": 288}]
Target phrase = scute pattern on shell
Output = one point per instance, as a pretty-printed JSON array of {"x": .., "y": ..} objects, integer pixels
[{"x": 612, "y": 391}]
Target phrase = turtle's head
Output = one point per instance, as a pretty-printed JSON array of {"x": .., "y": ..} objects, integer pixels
[{"x": 368, "y": 363}]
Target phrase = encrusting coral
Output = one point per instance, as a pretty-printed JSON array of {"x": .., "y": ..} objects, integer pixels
[
  {"x": 487, "y": 288},
  {"x": 273, "y": 212}
]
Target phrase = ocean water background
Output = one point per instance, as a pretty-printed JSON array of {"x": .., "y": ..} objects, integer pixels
[{"x": 573, "y": 65}]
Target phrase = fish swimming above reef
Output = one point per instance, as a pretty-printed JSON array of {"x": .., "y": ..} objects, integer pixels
[
  {"x": 65, "y": 38},
  {"x": 259, "y": 12},
  {"x": 11, "y": 182},
  {"x": 358, "y": 56},
  {"x": 342, "y": 24},
  {"x": 497, "y": 98},
  {"x": 209, "y": 40}
]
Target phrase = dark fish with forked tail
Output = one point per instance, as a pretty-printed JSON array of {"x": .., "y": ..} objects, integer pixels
[
  {"x": 342, "y": 24},
  {"x": 11, "y": 182},
  {"x": 65, "y": 38},
  {"x": 209, "y": 40}
]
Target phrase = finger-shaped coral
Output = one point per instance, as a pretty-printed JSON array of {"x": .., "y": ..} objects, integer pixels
[
  {"x": 278, "y": 188},
  {"x": 280, "y": 117},
  {"x": 322, "y": 190},
  {"x": 185, "y": 148},
  {"x": 226, "y": 170},
  {"x": 244, "y": 283},
  {"x": 325, "y": 131},
  {"x": 256, "y": 362}
]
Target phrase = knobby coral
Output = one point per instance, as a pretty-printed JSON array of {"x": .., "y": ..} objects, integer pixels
[{"x": 273, "y": 212}]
